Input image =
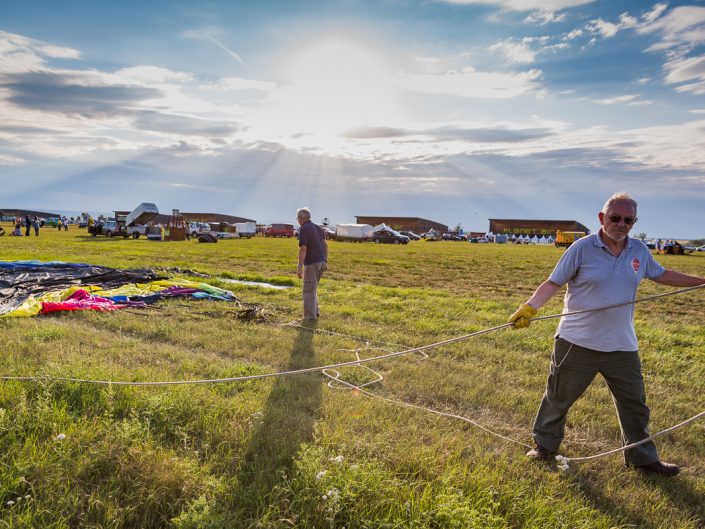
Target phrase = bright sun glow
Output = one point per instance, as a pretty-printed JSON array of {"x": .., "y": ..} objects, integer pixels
[{"x": 333, "y": 87}]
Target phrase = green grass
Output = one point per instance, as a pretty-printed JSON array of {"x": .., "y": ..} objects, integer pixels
[{"x": 291, "y": 452}]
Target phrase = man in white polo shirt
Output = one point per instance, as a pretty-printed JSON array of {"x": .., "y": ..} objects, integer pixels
[{"x": 602, "y": 269}]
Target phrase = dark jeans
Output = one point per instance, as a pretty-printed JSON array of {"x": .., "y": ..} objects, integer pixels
[{"x": 573, "y": 368}]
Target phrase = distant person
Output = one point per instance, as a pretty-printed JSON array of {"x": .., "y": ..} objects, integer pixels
[
  {"x": 18, "y": 229},
  {"x": 27, "y": 225},
  {"x": 313, "y": 261},
  {"x": 35, "y": 225},
  {"x": 659, "y": 246},
  {"x": 601, "y": 269},
  {"x": 58, "y": 224},
  {"x": 65, "y": 222}
]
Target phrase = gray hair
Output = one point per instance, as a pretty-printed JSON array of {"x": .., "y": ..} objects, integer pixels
[
  {"x": 619, "y": 196},
  {"x": 303, "y": 213}
]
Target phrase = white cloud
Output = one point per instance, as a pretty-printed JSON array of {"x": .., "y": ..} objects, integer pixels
[
  {"x": 656, "y": 12},
  {"x": 627, "y": 21},
  {"x": 471, "y": 83},
  {"x": 237, "y": 83},
  {"x": 573, "y": 34},
  {"x": 679, "y": 146},
  {"x": 541, "y": 18},
  {"x": 628, "y": 98},
  {"x": 525, "y": 5},
  {"x": 602, "y": 27},
  {"x": 690, "y": 71},
  {"x": 694, "y": 88},
  {"x": 6, "y": 159},
  {"x": 23, "y": 54},
  {"x": 515, "y": 52},
  {"x": 153, "y": 75},
  {"x": 681, "y": 70},
  {"x": 682, "y": 26}
]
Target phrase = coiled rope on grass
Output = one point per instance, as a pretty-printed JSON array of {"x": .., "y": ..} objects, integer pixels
[{"x": 332, "y": 368}]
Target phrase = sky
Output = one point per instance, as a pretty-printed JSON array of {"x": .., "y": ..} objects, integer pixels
[{"x": 452, "y": 110}]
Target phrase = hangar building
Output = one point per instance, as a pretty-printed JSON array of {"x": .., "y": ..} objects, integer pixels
[
  {"x": 534, "y": 227},
  {"x": 415, "y": 224}
]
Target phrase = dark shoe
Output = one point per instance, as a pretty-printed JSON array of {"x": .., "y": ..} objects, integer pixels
[
  {"x": 539, "y": 453},
  {"x": 660, "y": 468}
]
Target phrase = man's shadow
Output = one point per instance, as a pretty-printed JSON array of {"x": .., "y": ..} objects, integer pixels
[
  {"x": 682, "y": 494},
  {"x": 287, "y": 422}
]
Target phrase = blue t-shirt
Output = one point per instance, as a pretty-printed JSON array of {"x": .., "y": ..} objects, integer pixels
[
  {"x": 312, "y": 237},
  {"x": 596, "y": 278}
]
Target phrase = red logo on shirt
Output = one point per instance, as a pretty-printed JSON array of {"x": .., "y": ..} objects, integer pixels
[{"x": 635, "y": 264}]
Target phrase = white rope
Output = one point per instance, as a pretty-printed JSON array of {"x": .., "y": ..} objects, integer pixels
[
  {"x": 264, "y": 375},
  {"x": 336, "y": 378},
  {"x": 562, "y": 461},
  {"x": 334, "y": 366},
  {"x": 296, "y": 324}
]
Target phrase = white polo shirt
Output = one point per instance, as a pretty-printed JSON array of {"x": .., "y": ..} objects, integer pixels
[{"x": 596, "y": 278}]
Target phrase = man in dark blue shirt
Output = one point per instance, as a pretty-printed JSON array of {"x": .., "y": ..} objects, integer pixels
[{"x": 313, "y": 260}]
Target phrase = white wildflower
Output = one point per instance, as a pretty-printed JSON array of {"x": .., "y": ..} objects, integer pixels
[
  {"x": 321, "y": 474},
  {"x": 10, "y": 503},
  {"x": 337, "y": 459},
  {"x": 60, "y": 437},
  {"x": 27, "y": 496},
  {"x": 333, "y": 494}
]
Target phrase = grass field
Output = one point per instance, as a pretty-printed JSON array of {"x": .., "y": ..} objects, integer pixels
[{"x": 292, "y": 452}]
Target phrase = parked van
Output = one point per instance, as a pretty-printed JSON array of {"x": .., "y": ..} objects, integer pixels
[
  {"x": 566, "y": 238},
  {"x": 246, "y": 229},
  {"x": 279, "y": 230}
]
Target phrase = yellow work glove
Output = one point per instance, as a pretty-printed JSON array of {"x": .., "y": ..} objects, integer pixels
[{"x": 522, "y": 317}]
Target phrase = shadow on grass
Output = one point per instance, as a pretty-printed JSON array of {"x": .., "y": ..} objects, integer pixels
[
  {"x": 683, "y": 496},
  {"x": 287, "y": 422},
  {"x": 678, "y": 491}
]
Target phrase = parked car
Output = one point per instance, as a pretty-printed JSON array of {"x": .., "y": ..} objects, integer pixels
[
  {"x": 411, "y": 235},
  {"x": 198, "y": 228},
  {"x": 279, "y": 230},
  {"x": 453, "y": 237},
  {"x": 389, "y": 236},
  {"x": 431, "y": 235},
  {"x": 109, "y": 228},
  {"x": 700, "y": 248}
]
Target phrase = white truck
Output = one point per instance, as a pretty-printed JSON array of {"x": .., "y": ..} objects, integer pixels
[
  {"x": 353, "y": 232},
  {"x": 136, "y": 221},
  {"x": 245, "y": 229},
  {"x": 198, "y": 228}
]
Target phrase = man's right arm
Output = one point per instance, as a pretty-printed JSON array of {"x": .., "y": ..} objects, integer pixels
[
  {"x": 522, "y": 316},
  {"x": 543, "y": 293}
]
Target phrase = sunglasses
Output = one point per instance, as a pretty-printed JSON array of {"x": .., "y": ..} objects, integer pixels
[{"x": 627, "y": 220}]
